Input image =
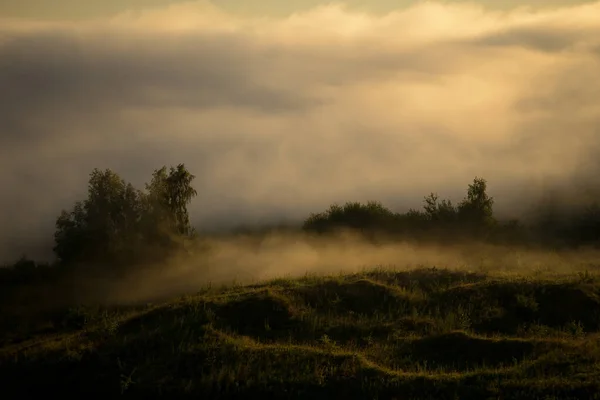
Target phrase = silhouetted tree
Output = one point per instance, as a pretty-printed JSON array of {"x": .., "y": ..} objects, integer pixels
[
  {"x": 117, "y": 222},
  {"x": 439, "y": 211},
  {"x": 476, "y": 210},
  {"x": 103, "y": 226},
  {"x": 352, "y": 215},
  {"x": 169, "y": 195}
]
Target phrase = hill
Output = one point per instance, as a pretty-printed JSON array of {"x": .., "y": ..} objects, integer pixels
[{"x": 419, "y": 334}]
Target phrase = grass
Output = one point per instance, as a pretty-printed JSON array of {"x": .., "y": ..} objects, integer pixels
[{"x": 379, "y": 334}]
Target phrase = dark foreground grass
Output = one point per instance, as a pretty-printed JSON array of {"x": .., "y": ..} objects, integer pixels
[{"x": 423, "y": 334}]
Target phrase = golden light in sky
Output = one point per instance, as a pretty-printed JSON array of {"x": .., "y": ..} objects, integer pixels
[{"x": 284, "y": 112}]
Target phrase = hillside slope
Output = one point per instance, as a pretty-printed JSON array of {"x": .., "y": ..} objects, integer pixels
[{"x": 421, "y": 334}]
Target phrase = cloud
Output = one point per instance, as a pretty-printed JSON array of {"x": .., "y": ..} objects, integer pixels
[
  {"x": 535, "y": 39},
  {"x": 279, "y": 117}
]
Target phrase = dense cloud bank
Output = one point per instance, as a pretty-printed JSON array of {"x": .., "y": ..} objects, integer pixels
[{"x": 281, "y": 117}]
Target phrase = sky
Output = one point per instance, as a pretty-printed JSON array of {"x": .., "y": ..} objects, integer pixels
[
  {"x": 281, "y": 112},
  {"x": 76, "y": 9}
]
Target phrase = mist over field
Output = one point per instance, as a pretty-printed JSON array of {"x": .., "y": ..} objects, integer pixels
[
  {"x": 282, "y": 116},
  {"x": 244, "y": 260}
]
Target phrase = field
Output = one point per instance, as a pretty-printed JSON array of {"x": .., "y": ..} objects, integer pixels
[{"x": 379, "y": 334}]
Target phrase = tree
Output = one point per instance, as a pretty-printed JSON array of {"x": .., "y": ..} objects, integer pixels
[
  {"x": 117, "y": 223},
  {"x": 103, "y": 227},
  {"x": 70, "y": 234},
  {"x": 437, "y": 211},
  {"x": 371, "y": 216},
  {"x": 169, "y": 196},
  {"x": 476, "y": 210}
]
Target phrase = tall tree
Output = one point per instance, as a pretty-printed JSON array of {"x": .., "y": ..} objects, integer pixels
[
  {"x": 476, "y": 210},
  {"x": 169, "y": 196},
  {"x": 102, "y": 226}
]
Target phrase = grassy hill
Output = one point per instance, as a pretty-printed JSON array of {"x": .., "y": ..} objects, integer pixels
[{"x": 420, "y": 334}]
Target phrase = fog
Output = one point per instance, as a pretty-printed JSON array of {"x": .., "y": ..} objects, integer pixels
[
  {"x": 280, "y": 117},
  {"x": 249, "y": 260}
]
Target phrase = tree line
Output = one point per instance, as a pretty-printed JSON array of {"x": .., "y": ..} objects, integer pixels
[
  {"x": 472, "y": 217},
  {"x": 118, "y": 225}
]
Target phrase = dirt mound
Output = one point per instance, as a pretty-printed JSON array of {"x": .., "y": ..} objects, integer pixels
[
  {"x": 363, "y": 296},
  {"x": 263, "y": 314},
  {"x": 504, "y": 306},
  {"x": 458, "y": 350},
  {"x": 562, "y": 304}
]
